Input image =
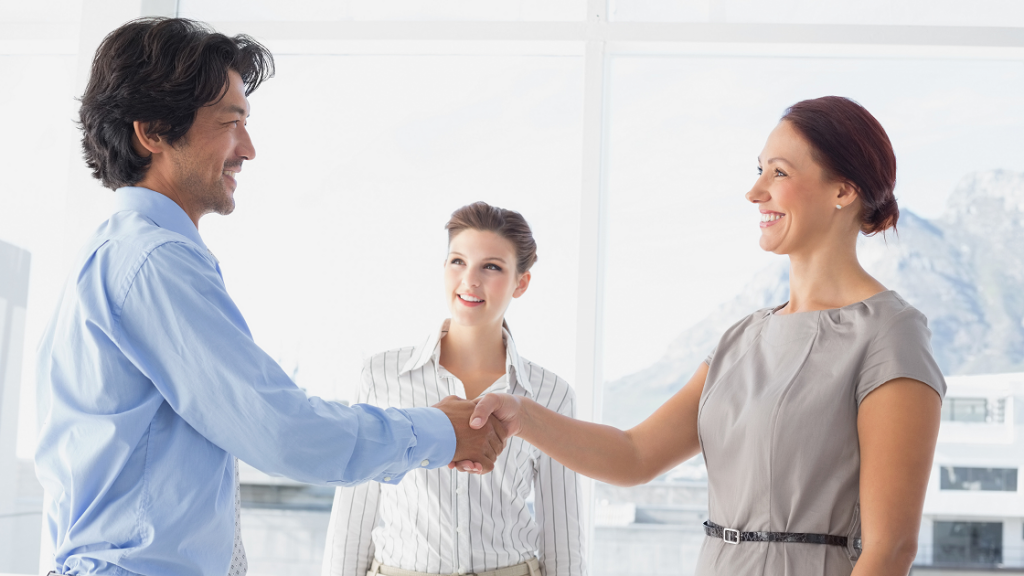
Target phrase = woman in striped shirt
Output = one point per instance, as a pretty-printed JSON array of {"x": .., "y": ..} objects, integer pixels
[{"x": 442, "y": 521}]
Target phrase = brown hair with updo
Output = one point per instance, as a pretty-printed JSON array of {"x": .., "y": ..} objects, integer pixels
[
  {"x": 851, "y": 145},
  {"x": 508, "y": 224}
]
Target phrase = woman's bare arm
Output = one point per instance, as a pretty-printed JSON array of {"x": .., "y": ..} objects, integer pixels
[
  {"x": 898, "y": 425},
  {"x": 623, "y": 458}
]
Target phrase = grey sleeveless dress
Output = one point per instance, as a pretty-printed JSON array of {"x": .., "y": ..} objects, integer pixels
[{"x": 778, "y": 427}]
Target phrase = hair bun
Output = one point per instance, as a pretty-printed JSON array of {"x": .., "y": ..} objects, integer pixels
[
  {"x": 882, "y": 216},
  {"x": 851, "y": 145}
]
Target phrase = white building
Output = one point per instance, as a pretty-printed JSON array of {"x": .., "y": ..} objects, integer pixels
[{"x": 974, "y": 508}]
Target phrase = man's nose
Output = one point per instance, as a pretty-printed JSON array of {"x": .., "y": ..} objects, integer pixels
[{"x": 245, "y": 147}]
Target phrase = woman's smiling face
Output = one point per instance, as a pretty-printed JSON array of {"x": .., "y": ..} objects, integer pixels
[
  {"x": 480, "y": 277},
  {"x": 796, "y": 199}
]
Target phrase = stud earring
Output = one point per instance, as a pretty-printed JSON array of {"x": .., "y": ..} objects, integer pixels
[{"x": 839, "y": 206}]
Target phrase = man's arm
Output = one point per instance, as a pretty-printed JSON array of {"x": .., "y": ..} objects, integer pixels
[{"x": 178, "y": 325}]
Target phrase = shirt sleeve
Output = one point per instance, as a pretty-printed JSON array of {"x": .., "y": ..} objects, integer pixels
[
  {"x": 901, "y": 349},
  {"x": 354, "y": 515},
  {"x": 558, "y": 504},
  {"x": 178, "y": 325},
  {"x": 711, "y": 357}
]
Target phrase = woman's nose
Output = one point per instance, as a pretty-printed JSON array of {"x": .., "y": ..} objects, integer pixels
[{"x": 758, "y": 193}]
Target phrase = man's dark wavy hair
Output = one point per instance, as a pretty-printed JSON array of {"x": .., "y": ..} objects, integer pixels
[{"x": 160, "y": 71}]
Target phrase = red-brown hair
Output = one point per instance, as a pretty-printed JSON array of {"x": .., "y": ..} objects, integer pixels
[
  {"x": 851, "y": 145},
  {"x": 508, "y": 224}
]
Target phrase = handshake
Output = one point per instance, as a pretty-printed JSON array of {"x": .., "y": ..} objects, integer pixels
[{"x": 481, "y": 427}]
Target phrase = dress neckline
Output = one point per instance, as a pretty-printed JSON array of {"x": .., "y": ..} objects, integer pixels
[{"x": 773, "y": 311}]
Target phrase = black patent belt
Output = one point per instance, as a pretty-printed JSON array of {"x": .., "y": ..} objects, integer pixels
[{"x": 732, "y": 536}]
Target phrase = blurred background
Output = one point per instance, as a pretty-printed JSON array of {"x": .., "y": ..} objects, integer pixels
[{"x": 626, "y": 132}]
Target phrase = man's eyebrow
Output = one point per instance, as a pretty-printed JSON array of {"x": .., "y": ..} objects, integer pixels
[{"x": 235, "y": 109}]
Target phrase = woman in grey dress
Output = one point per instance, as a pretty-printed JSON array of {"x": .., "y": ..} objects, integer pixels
[{"x": 817, "y": 418}]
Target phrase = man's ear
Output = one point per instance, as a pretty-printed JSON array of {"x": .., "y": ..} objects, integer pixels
[
  {"x": 524, "y": 283},
  {"x": 145, "y": 139}
]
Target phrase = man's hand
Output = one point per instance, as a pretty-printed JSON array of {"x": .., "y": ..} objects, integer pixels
[
  {"x": 476, "y": 448},
  {"x": 504, "y": 409}
]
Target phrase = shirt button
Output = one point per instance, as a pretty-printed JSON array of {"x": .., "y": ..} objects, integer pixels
[
  {"x": 460, "y": 491},
  {"x": 462, "y": 570},
  {"x": 425, "y": 463},
  {"x": 387, "y": 478},
  {"x": 460, "y": 530}
]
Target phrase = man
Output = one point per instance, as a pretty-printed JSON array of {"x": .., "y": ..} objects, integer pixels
[{"x": 150, "y": 383}]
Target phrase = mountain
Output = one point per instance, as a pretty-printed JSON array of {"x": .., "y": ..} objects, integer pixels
[{"x": 964, "y": 271}]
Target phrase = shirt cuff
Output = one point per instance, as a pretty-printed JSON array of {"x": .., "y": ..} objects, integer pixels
[{"x": 435, "y": 441}]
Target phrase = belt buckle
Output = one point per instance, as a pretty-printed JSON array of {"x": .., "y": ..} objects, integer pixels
[{"x": 731, "y": 536}]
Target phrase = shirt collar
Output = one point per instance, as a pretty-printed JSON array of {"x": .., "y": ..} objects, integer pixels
[
  {"x": 430, "y": 349},
  {"x": 163, "y": 211}
]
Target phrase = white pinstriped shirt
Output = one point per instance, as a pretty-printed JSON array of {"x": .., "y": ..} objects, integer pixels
[{"x": 447, "y": 522}]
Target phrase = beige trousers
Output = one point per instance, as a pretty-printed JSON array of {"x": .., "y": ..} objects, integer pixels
[{"x": 529, "y": 568}]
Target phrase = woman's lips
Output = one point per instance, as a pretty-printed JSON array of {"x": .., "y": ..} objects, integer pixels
[{"x": 472, "y": 302}]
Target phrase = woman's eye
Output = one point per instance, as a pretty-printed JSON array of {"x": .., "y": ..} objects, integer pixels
[
  {"x": 759, "y": 171},
  {"x": 493, "y": 267},
  {"x": 779, "y": 172},
  {"x": 457, "y": 261}
]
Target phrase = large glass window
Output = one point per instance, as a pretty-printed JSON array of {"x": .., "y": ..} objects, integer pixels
[
  {"x": 988, "y": 479},
  {"x": 38, "y": 104},
  {"x": 682, "y": 256},
  {"x": 367, "y": 143},
  {"x": 968, "y": 542},
  {"x": 683, "y": 263},
  {"x": 336, "y": 246}
]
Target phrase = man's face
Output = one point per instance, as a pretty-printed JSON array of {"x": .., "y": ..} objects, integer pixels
[{"x": 206, "y": 161}]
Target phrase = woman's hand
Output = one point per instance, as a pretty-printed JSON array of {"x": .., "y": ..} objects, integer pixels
[{"x": 508, "y": 409}]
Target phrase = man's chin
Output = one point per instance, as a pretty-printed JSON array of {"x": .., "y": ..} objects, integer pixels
[
  {"x": 225, "y": 203},
  {"x": 226, "y": 208}
]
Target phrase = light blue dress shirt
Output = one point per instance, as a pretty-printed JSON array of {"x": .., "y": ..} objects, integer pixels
[{"x": 150, "y": 383}]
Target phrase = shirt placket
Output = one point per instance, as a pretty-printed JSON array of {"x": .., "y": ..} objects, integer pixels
[
  {"x": 461, "y": 560},
  {"x": 463, "y": 550}
]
